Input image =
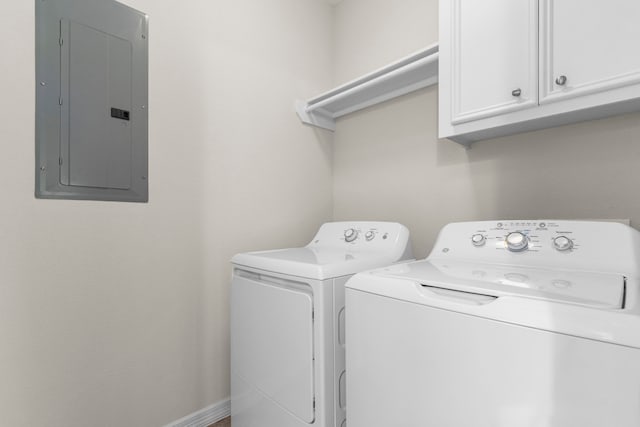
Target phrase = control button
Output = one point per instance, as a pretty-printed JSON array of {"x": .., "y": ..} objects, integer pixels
[
  {"x": 516, "y": 277},
  {"x": 499, "y": 225},
  {"x": 516, "y": 241},
  {"x": 562, "y": 243},
  {"x": 370, "y": 235},
  {"x": 542, "y": 225},
  {"x": 350, "y": 235},
  {"x": 478, "y": 240},
  {"x": 561, "y": 284}
]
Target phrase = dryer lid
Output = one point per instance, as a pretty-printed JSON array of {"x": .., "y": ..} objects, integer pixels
[
  {"x": 338, "y": 249},
  {"x": 313, "y": 263}
]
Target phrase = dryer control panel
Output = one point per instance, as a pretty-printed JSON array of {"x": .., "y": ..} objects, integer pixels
[{"x": 362, "y": 236}]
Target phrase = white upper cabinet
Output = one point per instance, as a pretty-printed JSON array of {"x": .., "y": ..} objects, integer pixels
[
  {"x": 495, "y": 60},
  {"x": 588, "y": 46},
  {"x": 510, "y": 66}
]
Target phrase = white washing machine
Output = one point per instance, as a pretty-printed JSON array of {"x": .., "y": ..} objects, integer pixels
[
  {"x": 287, "y": 324},
  {"x": 505, "y": 324}
]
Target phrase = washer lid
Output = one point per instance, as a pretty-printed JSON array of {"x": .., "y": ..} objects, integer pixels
[
  {"x": 577, "y": 303},
  {"x": 314, "y": 263},
  {"x": 597, "y": 290}
]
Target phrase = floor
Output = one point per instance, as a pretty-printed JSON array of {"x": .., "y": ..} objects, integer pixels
[{"x": 224, "y": 423}]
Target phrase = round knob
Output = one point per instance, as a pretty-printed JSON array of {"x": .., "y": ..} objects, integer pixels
[
  {"x": 370, "y": 235},
  {"x": 350, "y": 235},
  {"x": 516, "y": 241},
  {"x": 561, "y": 81},
  {"x": 562, "y": 243},
  {"x": 478, "y": 240},
  {"x": 516, "y": 92}
]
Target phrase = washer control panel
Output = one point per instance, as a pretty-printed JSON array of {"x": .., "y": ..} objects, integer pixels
[
  {"x": 522, "y": 236},
  {"x": 566, "y": 244}
]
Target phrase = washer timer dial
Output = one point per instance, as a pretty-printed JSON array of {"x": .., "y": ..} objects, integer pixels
[{"x": 516, "y": 241}]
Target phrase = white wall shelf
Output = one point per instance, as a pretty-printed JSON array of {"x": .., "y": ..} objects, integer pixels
[{"x": 409, "y": 74}]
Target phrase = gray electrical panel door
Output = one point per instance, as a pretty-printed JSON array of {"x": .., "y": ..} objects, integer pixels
[{"x": 91, "y": 115}]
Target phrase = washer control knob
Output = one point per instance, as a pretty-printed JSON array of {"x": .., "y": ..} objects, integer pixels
[
  {"x": 516, "y": 241},
  {"x": 370, "y": 235},
  {"x": 350, "y": 235},
  {"x": 562, "y": 243},
  {"x": 478, "y": 240}
]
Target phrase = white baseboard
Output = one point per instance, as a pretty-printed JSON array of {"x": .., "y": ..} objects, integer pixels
[{"x": 206, "y": 416}]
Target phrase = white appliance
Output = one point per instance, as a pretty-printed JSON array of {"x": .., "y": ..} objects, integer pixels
[
  {"x": 287, "y": 324},
  {"x": 505, "y": 324}
]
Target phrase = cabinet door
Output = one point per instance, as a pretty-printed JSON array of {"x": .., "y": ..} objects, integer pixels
[
  {"x": 494, "y": 54},
  {"x": 588, "y": 47}
]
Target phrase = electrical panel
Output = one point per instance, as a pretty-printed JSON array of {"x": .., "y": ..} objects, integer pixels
[{"x": 91, "y": 101}]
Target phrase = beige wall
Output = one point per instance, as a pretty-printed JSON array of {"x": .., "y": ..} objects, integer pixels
[
  {"x": 369, "y": 34},
  {"x": 390, "y": 165},
  {"x": 116, "y": 314}
]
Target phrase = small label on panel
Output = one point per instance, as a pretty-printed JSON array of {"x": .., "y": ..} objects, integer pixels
[{"x": 120, "y": 114}]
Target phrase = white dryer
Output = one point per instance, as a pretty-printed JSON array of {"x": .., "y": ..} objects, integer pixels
[
  {"x": 287, "y": 323},
  {"x": 505, "y": 324}
]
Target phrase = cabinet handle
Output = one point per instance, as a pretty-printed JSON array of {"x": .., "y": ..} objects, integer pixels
[
  {"x": 561, "y": 81},
  {"x": 516, "y": 92}
]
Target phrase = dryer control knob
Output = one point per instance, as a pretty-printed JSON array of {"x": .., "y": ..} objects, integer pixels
[
  {"x": 350, "y": 235},
  {"x": 516, "y": 241},
  {"x": 562, "y": 243},
  {"x": 370, "y": 235},
  {"x": 478, "y": 240}
]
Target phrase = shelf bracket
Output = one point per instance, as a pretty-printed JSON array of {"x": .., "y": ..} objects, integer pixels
[{"x": 314, "y": 118}]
